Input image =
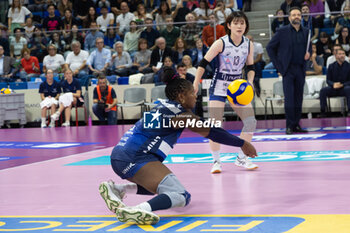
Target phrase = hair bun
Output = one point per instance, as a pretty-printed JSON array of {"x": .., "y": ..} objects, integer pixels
[{"x": 168, "y": 75}]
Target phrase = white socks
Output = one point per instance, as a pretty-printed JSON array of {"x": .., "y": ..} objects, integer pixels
[
  {"x": 127, "y": 188},
  {"x": 241, "y": 155},
  {"x": 216, "y": 156}
]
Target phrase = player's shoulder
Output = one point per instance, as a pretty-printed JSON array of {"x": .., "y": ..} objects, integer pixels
[{"x": 169, "y": 107}]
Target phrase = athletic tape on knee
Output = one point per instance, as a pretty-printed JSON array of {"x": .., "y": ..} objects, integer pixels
[
  {"x": 172, "y": 187},
  {"x": 249, "y": 125}
]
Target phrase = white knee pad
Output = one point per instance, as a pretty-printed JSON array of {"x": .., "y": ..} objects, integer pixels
[
  {"x": 249, "y": 125},
  {"x": 172, "y": 187}
]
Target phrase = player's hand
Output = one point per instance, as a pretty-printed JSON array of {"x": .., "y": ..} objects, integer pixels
[
  {"x": 249, "y": 150},
  {"x": 307, "y": 56}
]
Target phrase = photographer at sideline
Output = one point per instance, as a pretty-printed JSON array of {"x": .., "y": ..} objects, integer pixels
[{"x": 105, "y": 101}]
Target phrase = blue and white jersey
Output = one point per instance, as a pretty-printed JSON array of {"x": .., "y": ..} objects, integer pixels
[
  {"x": 230, "y": 63},
  {"x": 150, "y": 135}
]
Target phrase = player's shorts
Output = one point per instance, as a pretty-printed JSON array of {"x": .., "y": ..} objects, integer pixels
[
  {"x": 126, "y": 165},
  {"x": 219, "y": 84}
]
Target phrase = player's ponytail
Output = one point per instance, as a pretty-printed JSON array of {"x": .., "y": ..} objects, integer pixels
[{"x": 174, "y": 84}]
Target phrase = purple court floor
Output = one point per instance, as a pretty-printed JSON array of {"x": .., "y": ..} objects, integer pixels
[{"x": 56, "y": 172}]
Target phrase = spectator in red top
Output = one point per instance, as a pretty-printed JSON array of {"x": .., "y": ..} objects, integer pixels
[
  {"x": 29, "y": 66},
  {"x": 208, "y": 31}
]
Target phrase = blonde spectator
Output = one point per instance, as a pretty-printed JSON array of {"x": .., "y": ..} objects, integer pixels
[{"x": 188, "y": 62}]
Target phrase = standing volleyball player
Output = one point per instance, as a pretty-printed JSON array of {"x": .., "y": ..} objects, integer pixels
[
  {"x": 139, "y": 155},
  {"x": 234, "y": 51}
]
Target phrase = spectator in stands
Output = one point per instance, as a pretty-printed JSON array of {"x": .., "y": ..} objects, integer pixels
[
  {"x": 123, "y": 20},
  {"x": 74, "y": 35},
  {"x": 5, "y": 44},
  {"x": 38, "y": 6},
  {"x": 343, "y": 21},
  {"x": 111, "y": 38},
  {"x": 105, "y": 102},
  {"x": 289, "y": 56},
  {"x": 157, "y": 76},
  {"x": 344, "y": 39},
  {"x": 53, "y": 61},
  {"x": 141, "y": 14},
  {"x": 29, "y": 29},
  {"x": 180, "y": 50},
  {"x": 131, "y": 39},
  {"x": 190, "y": 31},
  {"x": 324, "y": 47},
  {"x": 280, "y": 21},
  {"x": 59, "y": 43},
  {"x": 16, "y": 15},
  {"x": 188, "y": 62},
  {"x": 159, "y": 53},
  {"x": 4, "y": 6},
  {"x": 37, "y": 44},
  {"x": 151, "y": 4},
  {"x": 198, "y": 52},
  {"x": 64, "y": 5},
  {"x": 49, "y": 91},
  {"x": 202, "y": 12},
  {"x": 180, "y": 13},
  {"x": 105, "y": 19},
  {"x": 310, "y": 22},
  {"x": 162, "y": 12},
  {"x": 115, "y": 7},
  {"x": 68, "y": 22},
  {"x": 17, "y": 43},
  {"x": 192, "y": 4},
  {"x": 121, "y": 61},
  {"x": 90, "y": 17},
  {"x": 208, "y": 31},
  {"x": 182, "y": 72},
  {"x": 317, "y": 9},
  {"x": 8, "y": 68},
  {"x": 315, "y": 63},
  {"x": 71, "y": 96},
  {"x": 221, "y": 11},
  {"x": 81, "y": 8},
  {"x": 89, "y": 44},
  {"x": 133, "y": 4},
  {"x": 76, "y": 61},
  {"x": 150, "y": 34},
  {"x": 338, "y": 80},
  {"x": 259, "y": 64},
  {"x": 99, "y": 59},
  {"x": 171, "y": 32},
  {"x": 332, "y": 59},
  {"x": 142, "y": 57},
  {"x": 52, "y": 22},
  {"x": 288, "y": 4},
  {"x": 29, "y": 66},
  {"x": 332, "y": 6}
]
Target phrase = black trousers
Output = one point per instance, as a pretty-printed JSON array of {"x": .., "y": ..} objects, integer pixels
[
  {"x": 293, "y": 87},
  {"x": 331, "y": 92}
]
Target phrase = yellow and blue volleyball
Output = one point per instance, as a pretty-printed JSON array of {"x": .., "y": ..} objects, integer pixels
[
  {"x": 5, "y": 91},
  {"x": 240, "y": 92}
]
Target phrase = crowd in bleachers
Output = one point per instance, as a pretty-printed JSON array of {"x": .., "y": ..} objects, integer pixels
[{"x": 41, "y": 34}]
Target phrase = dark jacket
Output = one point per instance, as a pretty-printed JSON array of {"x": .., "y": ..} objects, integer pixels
[
  {"x": 10, "y": 66},
  {"x": 337, "y": 73},
  {"x": 280, "y": 48},
  {"x": 155, "y": 56}
]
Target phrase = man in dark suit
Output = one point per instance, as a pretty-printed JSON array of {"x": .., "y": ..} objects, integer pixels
[
  {"x": 287, "y": 51},
  {"x": 7, "y": 69},
  {"x": 338, "y": 80},
  {"x": 159, "y": 53}
]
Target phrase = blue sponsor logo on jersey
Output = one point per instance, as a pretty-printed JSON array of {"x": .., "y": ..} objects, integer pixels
[{"x": 152, "y": 120}]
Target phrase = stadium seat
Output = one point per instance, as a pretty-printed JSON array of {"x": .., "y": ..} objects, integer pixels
[{"x": 18, "y": 85}]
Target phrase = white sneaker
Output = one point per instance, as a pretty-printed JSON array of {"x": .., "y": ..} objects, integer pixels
[
  {"x": 111, "y": 196},
  {"x": 66, "y": 124},
  {"x": 52, "y": 124},
  {"x": 246, "y": 163},
  {"x": 216, "y": 168},
  {"x": 137, "y": 216},
  {"x": 43, "y": 124},
  {"x": 55, "y": 116}
]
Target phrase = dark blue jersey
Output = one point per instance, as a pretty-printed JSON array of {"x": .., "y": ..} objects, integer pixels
[
  {"x": 73, "y": 87},
  {"x": 50, "y": 90},
  {"x": 151, "y": 135}
]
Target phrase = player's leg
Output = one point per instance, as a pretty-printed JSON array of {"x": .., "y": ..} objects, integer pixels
[
  {"x": 246, "y": 113},
  {"x": 216, "y": 111},
  {"x": 43, "y": 117},
  {"x": 155, "y": 178}
]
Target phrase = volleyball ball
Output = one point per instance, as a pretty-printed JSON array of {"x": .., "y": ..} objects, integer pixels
[
  {"x": 5, "y": 91},
  {"x": 240, "y": 92}
]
